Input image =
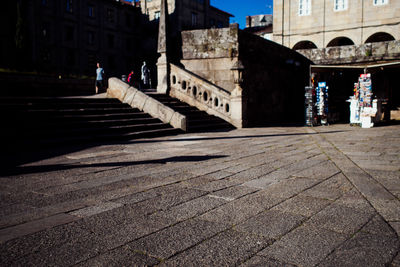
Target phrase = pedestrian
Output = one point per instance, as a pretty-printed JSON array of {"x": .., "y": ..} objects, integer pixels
[
  {"x": 145, "y": 76},
  {"x": 99, "y": 78},
  {"x": 130, "y": 78}
]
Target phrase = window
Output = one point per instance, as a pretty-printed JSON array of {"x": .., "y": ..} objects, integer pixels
[
  {"x": 220, "y": 24},
  {"x": 90, "y": 38},
  {"x": 69, "y": 6},
  {"x": 91, "y": 11},
  {"x": 304, "y": 7},
  {"x": 340, "y": 5},
  {"x": 157, "y": 15},
  {"x": 44, "y": 2},
  {"x": 110, "y": 15},
  {"x": 380, "y": 2},
  {"x": 194, "y": 19}
]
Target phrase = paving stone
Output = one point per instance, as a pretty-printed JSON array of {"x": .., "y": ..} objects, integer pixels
[
  {"x": 364, "y": 250},
  {"x": 217, "y": 185},
  {"x": 15, "y": 249},
  {"x": 192, "y": 208},
  {"x": 122, "y": 256},
  {"x": 233, "y": 193},
  {"x": 396, "y": 227},
  {"x": 32, "y": 214},
  {"x": 232, "y": 213},
  {"x": 341, "y": 219},
  {"x": 305, "y": 246},
  {"x": 290, "y": 187},
  {"x": 34, "y": 226},
  {"x": 258, "y": 261},
  {"x": 92, "y": 210},
  {"x": 319, "y": 171},
  {"x": 377, "y": 226},
  {"x": 228, "y": 248},
  {"x": 331, "y": 189},
  {"x": 271, "y": 224},
  {"x": 164, "y": 244},
  {"x": 303, "y": 205}
]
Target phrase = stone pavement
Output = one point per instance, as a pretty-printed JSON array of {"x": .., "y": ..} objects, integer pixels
[{"x": 324, "y": 196}]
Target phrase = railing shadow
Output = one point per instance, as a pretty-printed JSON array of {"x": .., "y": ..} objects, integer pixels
[{"x": 18, "y": 170}]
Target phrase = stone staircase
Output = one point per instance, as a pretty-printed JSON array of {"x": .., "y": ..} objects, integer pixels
[
  {"x": 37, "y": 122},
  {"x": 197, "y": 120}
]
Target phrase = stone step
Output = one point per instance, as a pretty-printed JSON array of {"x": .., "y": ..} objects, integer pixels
[{"x": 197, "y": 120}]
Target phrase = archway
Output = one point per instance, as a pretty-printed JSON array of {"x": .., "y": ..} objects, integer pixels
[
  {"x": 380, "y": 37},
  {"x": 340, "y": 41},
  {"x": 304, "y": 45}
]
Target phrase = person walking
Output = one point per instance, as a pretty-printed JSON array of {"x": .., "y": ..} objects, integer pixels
[
  {"x": 130, "y": 78},
  {"x": 99, "y": 78}
]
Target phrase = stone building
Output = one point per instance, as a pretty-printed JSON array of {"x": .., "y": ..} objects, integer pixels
[
  {"x": 68, "y": 37},
  {"x": 307, "y": 24},
  {"x": 187, "y": 14},
  {"x": 260, "y": 25}
]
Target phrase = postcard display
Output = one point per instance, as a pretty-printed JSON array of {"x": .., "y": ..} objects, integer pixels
[
  {"x": 362, "y": 107},
  {"x": 316, "y": 105}
]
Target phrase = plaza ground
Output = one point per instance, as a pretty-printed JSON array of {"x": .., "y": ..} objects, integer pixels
[{"x": 293, "y": 196}]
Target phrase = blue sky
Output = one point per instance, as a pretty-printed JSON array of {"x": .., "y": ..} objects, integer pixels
[{"x": 242, "y": 8}]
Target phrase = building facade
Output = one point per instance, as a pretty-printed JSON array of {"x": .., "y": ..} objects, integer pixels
[
  {"x": 304, "y": 24},
  {"x": 187, "y": 14},
  {"x": 260, "y": 25},
  {"x": 70, "y": 36}
]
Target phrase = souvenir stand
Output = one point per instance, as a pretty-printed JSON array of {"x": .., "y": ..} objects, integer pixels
[
  {"x": 316, "y": 104},
  {"x": 363, "y": 109}
]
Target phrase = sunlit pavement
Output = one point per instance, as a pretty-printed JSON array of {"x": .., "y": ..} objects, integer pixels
[{"x": 326, "y": 196}]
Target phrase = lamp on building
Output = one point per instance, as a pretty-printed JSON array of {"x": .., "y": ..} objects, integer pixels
[{"x": 237, "y": 71}]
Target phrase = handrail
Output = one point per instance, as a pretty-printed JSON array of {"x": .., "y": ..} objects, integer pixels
[{"x": 197, "y": 91}]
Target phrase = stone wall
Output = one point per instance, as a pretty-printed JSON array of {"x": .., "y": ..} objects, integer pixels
[
  {"x": 273, "y": 81},
  {"x": 274, "y": 76},
  {"x": 211, "y": 54},
  {"x": 372, "y": 52}
]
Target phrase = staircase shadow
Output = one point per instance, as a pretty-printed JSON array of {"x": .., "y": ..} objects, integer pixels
[{"x": 20, "y": 170}]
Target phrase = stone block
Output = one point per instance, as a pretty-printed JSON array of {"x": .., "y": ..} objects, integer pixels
[
  {"x": 130, "y": 93},
  {"x": 155, "y": 108},
  {"x": 305, "y": 246},
  {"x": 348, "y": 51},
  {"x": 179, "y": 121},
  {"x": 379, "y": 49},
  {"x": 117, "y": 88},
  {"x": 394, "y": 47},
  {"x": 139, "y": 100}
]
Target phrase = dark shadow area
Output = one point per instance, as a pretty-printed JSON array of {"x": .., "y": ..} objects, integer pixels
[
  {"x": 60, "y": 167},
  {"x": 12, "y": 157},
  {"x": 228, "y": 137}
]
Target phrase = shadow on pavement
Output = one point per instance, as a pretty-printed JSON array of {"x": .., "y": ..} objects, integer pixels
[{"x": 58, "y": 167}]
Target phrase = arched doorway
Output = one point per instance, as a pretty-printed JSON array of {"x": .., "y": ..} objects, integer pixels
[
  {"x": 304, "y": 45},
  {"x": 340, "y": 41},
  {"x": 380, "y": 37}
]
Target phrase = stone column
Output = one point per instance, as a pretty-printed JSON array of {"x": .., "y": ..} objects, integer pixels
[{"x": 163, "y": 69}]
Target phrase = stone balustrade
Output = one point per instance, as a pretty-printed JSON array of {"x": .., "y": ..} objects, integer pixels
[
  {"x": 137, "y": 99},
  {"x": 198, "y": 92}
]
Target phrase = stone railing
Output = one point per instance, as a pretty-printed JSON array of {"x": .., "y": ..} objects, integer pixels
[
  {"x": 196, "y": 91},
  {"x": 137, "y": 99},
  {"x": 371, "y": 52}
]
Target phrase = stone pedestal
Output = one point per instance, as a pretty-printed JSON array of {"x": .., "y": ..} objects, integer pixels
[{"x": 162, "y": 74}]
